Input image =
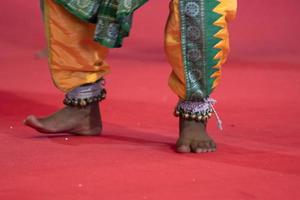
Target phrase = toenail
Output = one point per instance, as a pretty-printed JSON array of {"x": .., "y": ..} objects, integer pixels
[
  {"x": 183, "y": 149},
  {"x": 199, "y": 151},
  {"x": 205, "y": 150}
]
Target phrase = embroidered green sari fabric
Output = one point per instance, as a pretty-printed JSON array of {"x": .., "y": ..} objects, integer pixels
[
  {"x": 198, "y": 44},
  {"x": 113, "y": 18}
]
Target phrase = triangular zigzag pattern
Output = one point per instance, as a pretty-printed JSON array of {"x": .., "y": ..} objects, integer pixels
[{"x": 217, "y": 42}]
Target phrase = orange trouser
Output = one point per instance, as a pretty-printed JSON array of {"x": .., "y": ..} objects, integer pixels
[{"x": 75, "y": 59}]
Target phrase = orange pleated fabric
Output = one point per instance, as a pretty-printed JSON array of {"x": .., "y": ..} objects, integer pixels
[
  {"x": 174, "y": 51},
  {"x": 74, "y": 58}
]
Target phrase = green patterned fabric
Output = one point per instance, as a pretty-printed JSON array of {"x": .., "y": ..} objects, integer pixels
[
  {"x": 198, "y": 41},
  {"x": 113, "y": 18}
]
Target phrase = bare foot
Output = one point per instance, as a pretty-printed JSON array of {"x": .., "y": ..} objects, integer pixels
[
  {"x": 74, "y": 120},
  {"x": 194, "y": 138}
]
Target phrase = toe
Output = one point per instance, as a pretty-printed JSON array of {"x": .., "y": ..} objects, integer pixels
[
  {"x": 183, "y": 149},
  {"x": 28, "y": 119},
  {"x": 208, "y": 147},
  {"x": 183, "y": 145},
  {"x": 202, "y": 147},
  {"x": 195, "y": 146},
  {"x": 32, "y": 121},
  {"x": 199, "y": 150},
  {"x": 213, "y": 146}
]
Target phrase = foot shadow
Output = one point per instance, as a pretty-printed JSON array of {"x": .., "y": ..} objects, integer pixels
[
  {"x": 18, "y": 106},
  {"x": 113, "y": 135}
]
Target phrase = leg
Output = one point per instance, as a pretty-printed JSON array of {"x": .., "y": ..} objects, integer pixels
[
  {"x": 196, "y": 44},
  {"x": 76, "y": 64}
]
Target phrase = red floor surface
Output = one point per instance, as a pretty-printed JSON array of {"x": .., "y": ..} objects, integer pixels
[{"x": 258, "y": 153}]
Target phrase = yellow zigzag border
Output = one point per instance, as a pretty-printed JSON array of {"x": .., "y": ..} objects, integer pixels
[{"x": 226, "y": 8}]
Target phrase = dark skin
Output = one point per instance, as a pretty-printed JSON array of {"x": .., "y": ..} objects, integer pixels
[
  {"x": 87, "y": 122},
  {"x": 194, "y": 138},
  {"x": 78, "y": 121}
]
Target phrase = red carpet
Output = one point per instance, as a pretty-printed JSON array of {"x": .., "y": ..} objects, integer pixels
[{"x": 258, "y": 155}]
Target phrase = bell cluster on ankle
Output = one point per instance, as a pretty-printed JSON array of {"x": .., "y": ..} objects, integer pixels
[
  {"x": 195, "y": 110},
  {"x": 85, "y": 95}
]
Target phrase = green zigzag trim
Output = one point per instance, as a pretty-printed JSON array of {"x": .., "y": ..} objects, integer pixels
[{"x": 210, "y": 42}]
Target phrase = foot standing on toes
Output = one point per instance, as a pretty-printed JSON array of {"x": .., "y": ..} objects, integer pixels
[
  {"x": 73, "y": 120},
  {"x": 80, "y": 116}
]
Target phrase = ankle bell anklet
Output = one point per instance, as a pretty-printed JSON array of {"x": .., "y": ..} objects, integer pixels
[
  {"x": 197, "y": 110},
  {"x": 86, "y": 94}
]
